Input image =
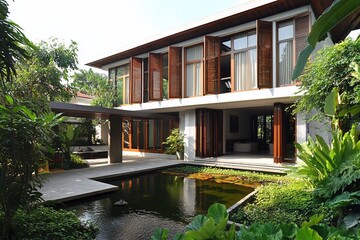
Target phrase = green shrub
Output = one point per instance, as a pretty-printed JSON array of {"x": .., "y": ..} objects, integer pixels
[
  {"x": 285, "y": 203},
  {"x": 45, "y": 223},
  {"x": 320, "y": 159},
  {"x": 75, "y": 162},
  {"x": 341, "y": 190},
  {"x": 213, "y": 226}
]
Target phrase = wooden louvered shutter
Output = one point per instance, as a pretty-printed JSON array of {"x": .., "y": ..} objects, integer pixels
[
  {"x": 155, "y": 77},
  {"x": 264, "y": 53},
  {"x": 175, "y": 72},
  {"x": 135, "y": 80},
  {"x": 301, "y": 33},
  {"x": 212, "y": 65}
]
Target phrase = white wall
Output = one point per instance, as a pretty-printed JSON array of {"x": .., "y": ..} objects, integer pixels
[
  {"x": 244, "y": 124},
  {"x": 188, "y": 123},
  {"x": 301, "y": 128},
  {"x": 81, "y": 101},
  {"x": 318, "y": 128}
]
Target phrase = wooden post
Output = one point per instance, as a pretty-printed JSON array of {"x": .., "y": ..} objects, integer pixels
[
  {"x": 278, "y": 133},
  {"x": 115, "y": 140}
]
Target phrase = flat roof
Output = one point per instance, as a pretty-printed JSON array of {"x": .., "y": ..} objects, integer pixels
[
  {"x": 76, "y": 110},
  {"x": 238, "y": 15}
]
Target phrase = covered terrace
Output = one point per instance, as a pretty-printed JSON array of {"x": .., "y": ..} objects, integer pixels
[{"x": 114, "y": 116}]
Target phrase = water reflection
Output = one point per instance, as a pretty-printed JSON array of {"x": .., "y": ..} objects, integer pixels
[{"x": 155, "y": 200}]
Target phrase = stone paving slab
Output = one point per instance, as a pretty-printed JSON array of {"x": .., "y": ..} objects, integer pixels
[{"x": 80, "y": 183}]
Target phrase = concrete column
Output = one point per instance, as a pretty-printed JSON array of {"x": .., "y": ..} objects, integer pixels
[{"x": 114, "y": 139}]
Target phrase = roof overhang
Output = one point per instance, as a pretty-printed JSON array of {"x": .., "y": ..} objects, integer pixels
[
  {"x": 75, "y": 110},
  {"x": 268, "y": 8}
]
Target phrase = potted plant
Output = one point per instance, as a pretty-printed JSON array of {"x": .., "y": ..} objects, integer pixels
[{"x": 174, "y": 143}]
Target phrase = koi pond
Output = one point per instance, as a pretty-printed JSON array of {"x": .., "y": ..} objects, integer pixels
[{"x": 155, "y": 200}]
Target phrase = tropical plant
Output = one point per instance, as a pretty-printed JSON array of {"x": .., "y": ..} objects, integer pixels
[
  {"x": 24, "y": 138},
  {"x": 97, "y": 85},
  {"x": 69, "y": 137},
  {"x": 341, "y": 190},
  {"x": 45, "y": 223},
  {"x": 333, "y": 67},
  {"x": 320, "y": 159},
  {"x": 174, "y": 142},
  {"x": 329, "y": 19},
  {"x": 45, "y": 75},
  {"x": 13, "y": 45},
  {"x": 213, "y": 226}
]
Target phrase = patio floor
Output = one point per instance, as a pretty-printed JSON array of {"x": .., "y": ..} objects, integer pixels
[{"x": 74, "y": 184}]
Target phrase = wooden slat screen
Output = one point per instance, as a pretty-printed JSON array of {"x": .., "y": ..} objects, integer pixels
[
  {"x": 209, "y": 133},
  {"x": 175, "y": 72},
  {"x": 264, "y": 53},
  {"x": 278, "y": 133},
  {"x": 301, "y": 33},
  {"x": 155, "y": 77},
  {"x": 212, "y": 65},
  {"x": 135, "y": 80}
]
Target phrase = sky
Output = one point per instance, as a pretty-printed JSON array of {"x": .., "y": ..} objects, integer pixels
[{"x": 104, "y": 27}]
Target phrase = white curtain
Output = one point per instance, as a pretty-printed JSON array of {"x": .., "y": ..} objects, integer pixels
[
  {"x": 190, "y": 80},
  {"x": 285, "y": 62},
  {"x": 193, "y": 71},
  {"x": 245, "y": 70},
  {"x": 198, "y": 82}
]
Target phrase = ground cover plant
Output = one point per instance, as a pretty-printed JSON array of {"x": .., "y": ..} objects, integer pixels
[
  {"x": 45, "y": 223},
  {"x": 227, "y": 175},
  {"x": 291, "y": 202}
]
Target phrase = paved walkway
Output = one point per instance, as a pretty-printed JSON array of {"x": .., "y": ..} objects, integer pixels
[{"x": 80, "y": 183}]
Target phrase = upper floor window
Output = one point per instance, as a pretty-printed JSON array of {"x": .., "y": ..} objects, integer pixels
[
  {"x": 122, "y": 85},
  {"x": 194, "y": 71},
  {"x": 291, "y": 40},
  {"x": 245, "y": 70},
  {"x": 239, "y": 53},
  {"x": 286, "y": 52}
]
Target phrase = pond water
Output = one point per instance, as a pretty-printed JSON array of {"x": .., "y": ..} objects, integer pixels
[{"x": 155, "y": 200}]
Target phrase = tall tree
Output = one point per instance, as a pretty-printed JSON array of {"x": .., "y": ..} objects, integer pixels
[
  {"x": 331, "y": 68},
  {"x": 13, "y": 44},
  {"x": 45, "y": 75},
  {"x": 24, "y": 135},
  {"x": 97, "y": 85}
]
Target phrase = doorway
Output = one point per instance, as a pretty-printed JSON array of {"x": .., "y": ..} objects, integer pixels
[{"x": 209, "y": 132}]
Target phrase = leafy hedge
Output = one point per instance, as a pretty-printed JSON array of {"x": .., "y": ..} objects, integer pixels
[
  {"x": 45, "y": 223},
  {"x": 285, "y": 203}
]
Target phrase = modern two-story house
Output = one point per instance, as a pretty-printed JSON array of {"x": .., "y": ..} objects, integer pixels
[{"x": 227, "y": 79}]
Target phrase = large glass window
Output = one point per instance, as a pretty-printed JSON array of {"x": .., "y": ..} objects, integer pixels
[
  {"x": 245, "y": 61},
  {"x": 112, "y": 73},
  {"x": 285, "y": 52},
  {"x": 194, "y": 75},
  {"x": 122, "y": 85}
]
